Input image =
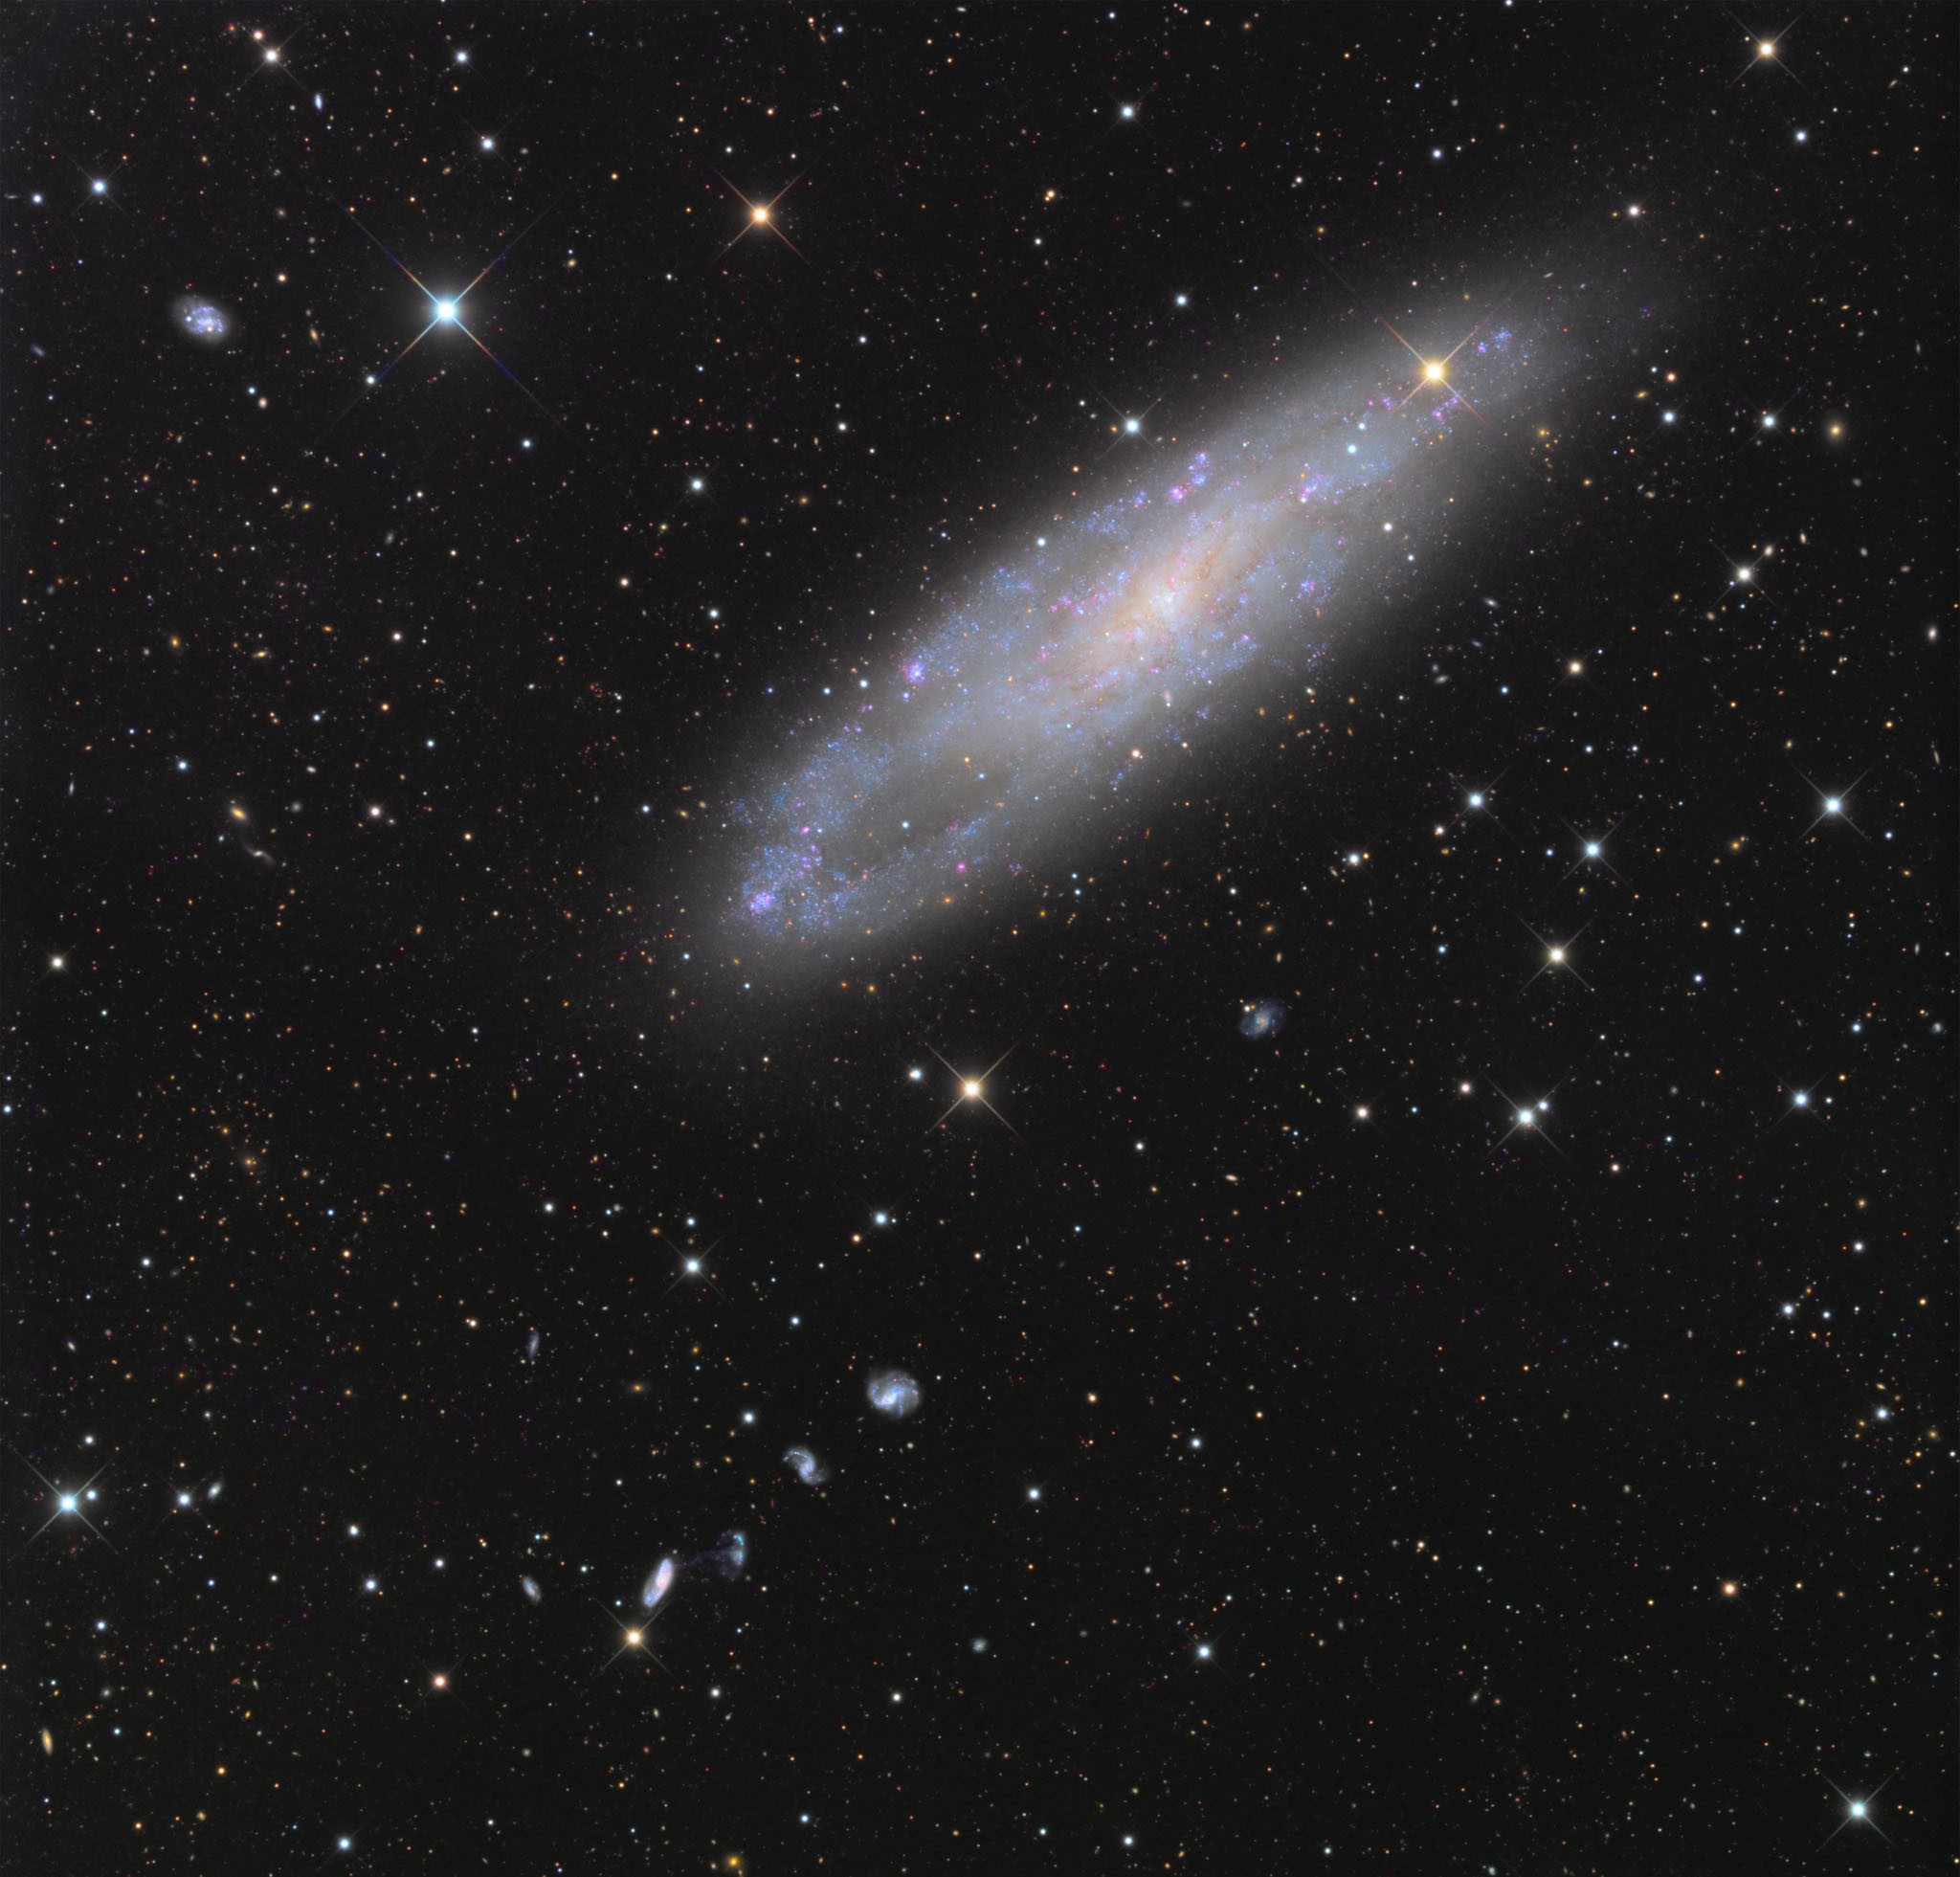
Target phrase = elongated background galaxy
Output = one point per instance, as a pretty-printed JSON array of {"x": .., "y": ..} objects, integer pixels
[{"x": 979, "y": 939}]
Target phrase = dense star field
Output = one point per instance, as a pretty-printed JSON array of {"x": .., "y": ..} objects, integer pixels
[{"x": 979, "y": 939}]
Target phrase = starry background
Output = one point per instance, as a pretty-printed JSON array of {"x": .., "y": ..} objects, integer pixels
[{"x": 1315, "y": 1468}]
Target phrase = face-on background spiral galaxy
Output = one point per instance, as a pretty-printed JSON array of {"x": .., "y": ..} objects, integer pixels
[
  {"x": 894, "y": 1392},
  {"x": 978, "y": 938}
]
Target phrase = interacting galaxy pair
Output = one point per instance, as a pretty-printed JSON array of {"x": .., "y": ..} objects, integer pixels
[{"x": 727, "y": 1557}]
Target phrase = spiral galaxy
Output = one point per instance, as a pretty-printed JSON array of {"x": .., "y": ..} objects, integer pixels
[
  {"x": 1101, "y": 658},
  {"x": 893, "y": 1393}
]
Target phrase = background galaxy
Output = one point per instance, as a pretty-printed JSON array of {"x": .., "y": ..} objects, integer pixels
[{"x": 709, "y": 704}]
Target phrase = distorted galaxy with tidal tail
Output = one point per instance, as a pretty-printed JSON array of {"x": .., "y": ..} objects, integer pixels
[{"x": 1110, "y": 650}]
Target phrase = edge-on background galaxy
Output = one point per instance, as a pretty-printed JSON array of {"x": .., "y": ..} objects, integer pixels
[{"x": 1071, "y": 678}]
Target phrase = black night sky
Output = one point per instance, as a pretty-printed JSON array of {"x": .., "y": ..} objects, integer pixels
[{"x": 1411, "y": 1208}]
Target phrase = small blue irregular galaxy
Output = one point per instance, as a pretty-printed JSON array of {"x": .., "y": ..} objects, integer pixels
[
  {"x": 659, "y": 1582},
  {"x": 202, "y": 321},
  {"x": 1262, "y": 1020},
  {"x": 894, "y": 1392},
  {"x": 1093, "y": 663},
  {"x": 806, "y": 1466}
]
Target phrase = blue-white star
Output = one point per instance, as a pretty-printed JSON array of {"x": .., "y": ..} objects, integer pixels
[
  {"x": 1857, "y": 1811},
  {"x": 68, "y": 1505},
  {"x": 446, "y": 309}
]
